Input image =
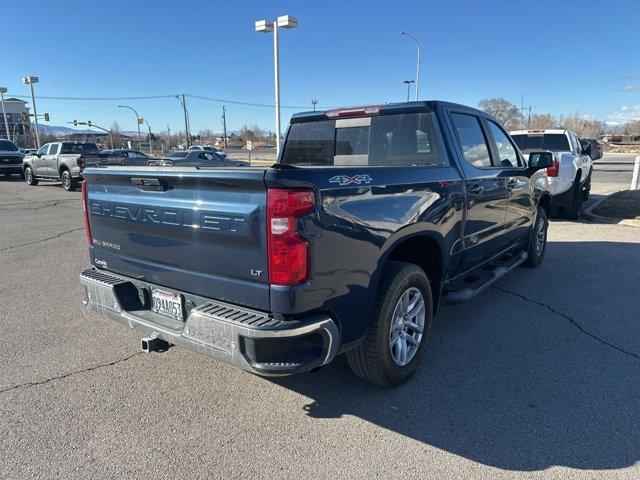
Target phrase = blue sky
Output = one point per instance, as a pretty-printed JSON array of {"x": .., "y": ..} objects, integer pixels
[{"x": 563, "y": 56}]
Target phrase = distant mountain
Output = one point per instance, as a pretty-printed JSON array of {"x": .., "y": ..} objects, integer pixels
[{"x": 60, "y": 130}]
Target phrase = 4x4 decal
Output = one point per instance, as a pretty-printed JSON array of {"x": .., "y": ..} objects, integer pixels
[{"x": 354, "y": 180}]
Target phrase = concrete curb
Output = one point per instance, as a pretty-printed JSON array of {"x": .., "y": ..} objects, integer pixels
[{"x": 609, "y": 220}]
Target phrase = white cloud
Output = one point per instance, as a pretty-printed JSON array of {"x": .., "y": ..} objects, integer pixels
[
  {"x": 630, "y": 89},
  {"x": 625, "y": 114}
]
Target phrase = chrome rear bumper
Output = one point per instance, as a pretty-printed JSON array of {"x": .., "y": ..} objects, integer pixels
[{"x": 249, "y": 339}]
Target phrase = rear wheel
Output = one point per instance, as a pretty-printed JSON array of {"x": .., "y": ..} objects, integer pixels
[
  {"x": 396, "y": 341},
  {"x": 538, "y": 243},
  {"x": 29, "y": 177},
  {"x": 68, "y": 183}
]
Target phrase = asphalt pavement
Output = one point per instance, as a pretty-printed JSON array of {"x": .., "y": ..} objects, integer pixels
[{"x": 536, "y": 378}]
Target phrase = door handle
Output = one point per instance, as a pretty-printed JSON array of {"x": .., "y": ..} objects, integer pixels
[{"x": 476, "y": 189}]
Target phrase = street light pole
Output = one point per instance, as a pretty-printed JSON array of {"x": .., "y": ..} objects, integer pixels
[
  {"x": 417, "y": 62},
  {"x": 408, "y": 83},
  {"x": 4, "y": 112},
  {"x": 266, "y": 26},
  {"x": 30, "y": 81},
  {"x": 137, "y": 123}
]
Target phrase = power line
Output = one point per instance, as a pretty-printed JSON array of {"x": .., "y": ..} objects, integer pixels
[
  {"x": 98, "y": 98},
  {"x": 222, "y": 100},
  {"x": 154, "y": 97}
]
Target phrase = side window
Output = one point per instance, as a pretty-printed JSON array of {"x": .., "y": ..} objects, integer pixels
[
  {"x": 507, "y": 154},
  {"x": 55, "y": 148},
  {"x": 43, "y": 149},
  {"x": 472, "y": 141},
  {"x": 575, "y": 143}
]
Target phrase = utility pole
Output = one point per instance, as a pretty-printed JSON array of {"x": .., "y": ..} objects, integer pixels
[
  {"x": 314, "y": 102},
  {"x": 224, "y": 127},
  {"x": 150, "y": 141},
  {"x": 186, "y": 120},
  {"x": 522, "y": 109}
]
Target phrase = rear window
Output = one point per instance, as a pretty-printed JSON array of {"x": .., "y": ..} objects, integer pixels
[
  {"x": 7, "y": 146},
  {"x": 178, "y": 154},
  {"x": 79, "y": 148},
  {"x": 381, "y": 141},
  {"x": 547, "y": 141}
]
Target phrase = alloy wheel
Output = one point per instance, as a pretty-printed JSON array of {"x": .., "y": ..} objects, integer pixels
[{"x": 407, "y": 326}]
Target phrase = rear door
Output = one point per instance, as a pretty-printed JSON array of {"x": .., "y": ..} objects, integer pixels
[
  {"x": 194, "y": 230},
  {"x": 521, "y": 208},
  {"x": 52, "y": 160},
  {"x": 487, "y": 190}
]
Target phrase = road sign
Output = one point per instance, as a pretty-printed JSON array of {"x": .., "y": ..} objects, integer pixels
[
  {"x": 141, "y": 121},
  {"x": 249, "y": 145}
]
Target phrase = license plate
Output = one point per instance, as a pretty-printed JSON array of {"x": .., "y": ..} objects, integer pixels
[{"x": 166, "y": 303}]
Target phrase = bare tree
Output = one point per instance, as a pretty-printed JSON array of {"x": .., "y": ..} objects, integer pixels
[
  {"x": 253, "y": 133},
  {"x": 503, "y": 110}
]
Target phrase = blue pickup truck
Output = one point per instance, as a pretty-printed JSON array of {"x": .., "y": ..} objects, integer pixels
[{"x": 371, "y": 218}]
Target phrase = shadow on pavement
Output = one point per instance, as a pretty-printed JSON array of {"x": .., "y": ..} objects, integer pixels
[{"x": 510, "y": 383}]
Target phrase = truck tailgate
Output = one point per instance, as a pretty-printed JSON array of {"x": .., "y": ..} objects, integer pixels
[{"x": 199, "y": 231}]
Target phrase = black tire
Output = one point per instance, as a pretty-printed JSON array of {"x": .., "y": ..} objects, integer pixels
[
  {"x": 22, "y": 175},
  {"x": 29, "y": 177},
  {"x": 373, "y": 359},
  {"x": 536, "y": 254},
  {"x": 68, "y": 182},
  {"x": 575, "y": 208}
]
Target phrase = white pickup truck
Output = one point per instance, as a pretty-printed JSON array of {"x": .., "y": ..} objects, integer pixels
[
  {"x": 570, "y": 177},
  {"x": 61, "y": 161}
]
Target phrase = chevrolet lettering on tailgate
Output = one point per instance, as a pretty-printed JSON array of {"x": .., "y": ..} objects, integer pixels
[{"x": 206, "y": 220}]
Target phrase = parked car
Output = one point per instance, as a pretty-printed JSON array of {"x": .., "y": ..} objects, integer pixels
[
  {"x": 61, "y": 161},
  {"x": 208, "y": 148},
  {"x": 201, "y": 158},
  {"x": 10, "y": 158},
  {"x": 372, "y": 218},
  {"x": 570, "y": 175},
  {"x": 597, "y": 151},
  {"x": 118, "y": 156}
]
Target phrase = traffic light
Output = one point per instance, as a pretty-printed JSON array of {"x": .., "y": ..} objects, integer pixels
[
  {"x": 46, "y": 117},
  {"x": 75, "y": 123},
  {"x": 25, "y": 117},
  {"x": 89, "y": 123}
]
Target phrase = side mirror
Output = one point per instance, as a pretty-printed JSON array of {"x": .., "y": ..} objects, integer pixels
[
  {"x": 540, "y": 160},
  {"x": 38, "y": 154},
  {"x": 586, "y": 149}
]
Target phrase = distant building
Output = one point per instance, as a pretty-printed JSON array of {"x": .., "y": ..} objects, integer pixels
[{"x": 14, "y": 107}]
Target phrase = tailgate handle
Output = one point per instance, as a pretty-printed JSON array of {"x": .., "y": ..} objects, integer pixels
[{"x": 153, "y": 184}]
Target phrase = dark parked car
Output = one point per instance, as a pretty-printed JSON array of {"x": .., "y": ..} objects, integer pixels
[
  {"x": 10, "y": 158},
  {"x": 201, "y": 158},
  {"x": 371, "y": 218},
  {"x": 118, "y": 156},
  {"x": 596, "y": 148}
]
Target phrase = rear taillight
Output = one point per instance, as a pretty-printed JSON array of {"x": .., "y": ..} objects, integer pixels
[
  {"x": 553, "y": 171},
  {"x": 85, "y": 207},
  {"x": 288, "y": 250},
  {"x": 80, "y": 161}
]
